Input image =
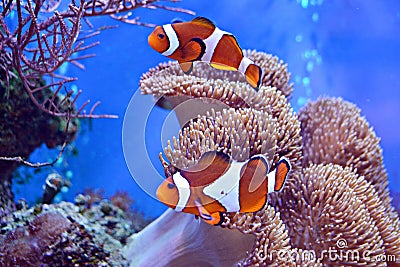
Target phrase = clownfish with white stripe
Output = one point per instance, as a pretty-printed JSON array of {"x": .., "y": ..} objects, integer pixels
[
  {"x": 219, "y": 184},
  {"x": 201, "y": 40}
]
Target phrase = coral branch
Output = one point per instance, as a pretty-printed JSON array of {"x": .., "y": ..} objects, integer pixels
[{"x": 37, "y": 47}]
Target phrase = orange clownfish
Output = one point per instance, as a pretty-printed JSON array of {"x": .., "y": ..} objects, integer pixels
[
  {"x": 201, "y": 40},
  {"x": 218, "y": 184}
]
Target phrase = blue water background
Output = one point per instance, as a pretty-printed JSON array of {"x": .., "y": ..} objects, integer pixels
[{"x": 340, "y": 48}]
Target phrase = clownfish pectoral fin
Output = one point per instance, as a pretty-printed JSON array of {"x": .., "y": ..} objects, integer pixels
[
  {"x": 254, "y": 75},
  {"x": 210, "y": 218},
  {"x": 204, "y": 21},
  {"x": 193, "y": 50},
  {"x": 186, "y": 67},
  {"x": 281, "y": 172}
]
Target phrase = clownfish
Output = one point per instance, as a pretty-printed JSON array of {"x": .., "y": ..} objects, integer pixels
[
  {"x": 201, "y": 40},
  {"x": 218, "y": 184}
]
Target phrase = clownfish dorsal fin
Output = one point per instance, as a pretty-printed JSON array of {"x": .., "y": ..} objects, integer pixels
[
  {"x": 186, "y": 67},
  {"x": 176, "y": 20},
  {"x": 193, "y": 50},
  {"x": 204, "y": 21},
  {"x": 210, "y": 218},
  {"x": 257, "y": 169},
  {"x": 163, "y": 103},
  {"x": 214, "y": 157},
  {"x": 281, "y": 172},
  {"x": 210, "y": 167}
]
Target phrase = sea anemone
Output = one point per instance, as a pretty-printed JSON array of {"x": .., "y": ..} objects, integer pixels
[{"x": 336, "y": 197}]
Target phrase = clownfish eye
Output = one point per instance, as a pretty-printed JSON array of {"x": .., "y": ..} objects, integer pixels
[
  {"x": 171, "y": 186},
  {"x": 161, "y": 36}
]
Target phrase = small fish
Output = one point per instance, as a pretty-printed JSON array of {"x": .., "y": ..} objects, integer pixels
[
  {"x": 218, "y": 184},
  {"x": 201, "y": 40}
]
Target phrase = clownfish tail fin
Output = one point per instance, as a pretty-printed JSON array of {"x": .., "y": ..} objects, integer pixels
[
  {"x": 254, "y": 75},
  {"x": 252, "y": 72},
  {"x": 281, "y": 173}
]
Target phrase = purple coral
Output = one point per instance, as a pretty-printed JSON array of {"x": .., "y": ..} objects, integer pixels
[
  {"x": 25, "y": 245},
  {"x": 122, "y": 200}
]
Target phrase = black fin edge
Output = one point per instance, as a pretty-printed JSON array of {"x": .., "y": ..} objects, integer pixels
[
  {"x": 189, "y": 70},
  {"x": 176, "y": 20},
  {"x": 221, "y": 216},
  {"x": 261, "y": 76},
  {"x": 285, "y": 161},
  {"x": 262, "y": 159}
]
